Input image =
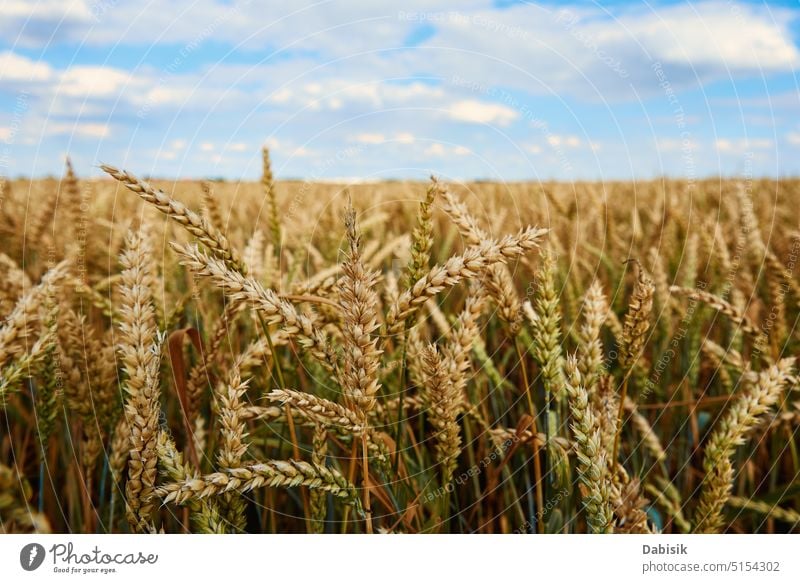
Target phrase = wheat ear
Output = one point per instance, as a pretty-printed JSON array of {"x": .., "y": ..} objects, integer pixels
[
  {"x": 422, "y": 236},
  {"x": 545, "y": 320},
  {"x": 211, "y": 207},
  {"x": 205, "y": 513},
  {"x": 177, "y": 211},
  {"x": 275, "y": 310},
  {"x": 771, "y": 510},
  {"x": 499, "y": 282},
  {"x": 443, "y": 403},
  {"x": 592, "y": 465},
  {"x": 744, "y": 414},
  {"x": 724, "y": 307},
  {"x": 268, "y": 183},
  {"x": 358, "y": 303},
  {"x": 321, "y": 411},
  {"x": 271, "y": 473},
  {"x": 140, "y": 352},
  {"x": 318, "y": 499},
  {"x": 472, "y": 263},
  {"x": 637, "y": 319},
  {"x": 233, "y": 445},
  {"x": 590, "y": 347},
  {"x": 25, "y": 314}
]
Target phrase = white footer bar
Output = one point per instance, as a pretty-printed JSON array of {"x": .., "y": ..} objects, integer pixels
[{"x": 386, "y": 559}]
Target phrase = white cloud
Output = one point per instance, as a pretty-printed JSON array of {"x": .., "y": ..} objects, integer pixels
[
  {"x": 15, "y": 67},
  {"x": 282, "y": 95},
  {"x": 405, "y": 138},
  {"x": 41, "y": 22},
  {"x": 441, "y": 151},
  {"x": 474, "y": 111},
  {"x": 92, "y": 82},
  {"x": 435, "y": 150},
  {"x": 178, "y": 144},
  {"x": 238, "y": 147},
  {"x": 557, "y": 141},
  {"x": 741, "y": 145},
  {"x": 727, "y": 35},
  {"x": 668, "y": 145},
  {"x": 369, "y": 138},
  {"x": 206, "y": 147},
  {"x": 302, "y": 152},
  {"x": 89, "y": 130}
]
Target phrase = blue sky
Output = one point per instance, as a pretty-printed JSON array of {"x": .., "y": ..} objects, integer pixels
[{"x": 475, "y": 89}]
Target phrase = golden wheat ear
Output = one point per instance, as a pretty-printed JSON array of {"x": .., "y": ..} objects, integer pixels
[
  {"x": 178, "y": 212},
  {"x": 140, "y": 352}
]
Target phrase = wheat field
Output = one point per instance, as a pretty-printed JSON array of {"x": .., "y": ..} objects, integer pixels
[{"x": 398, "y": 357}]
